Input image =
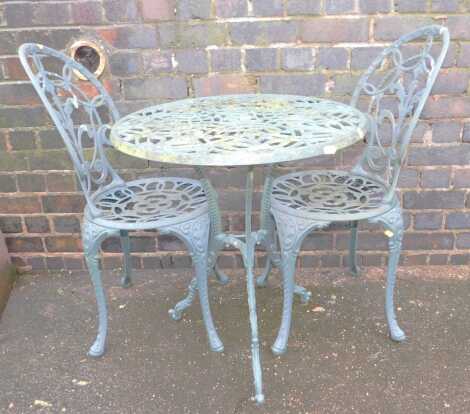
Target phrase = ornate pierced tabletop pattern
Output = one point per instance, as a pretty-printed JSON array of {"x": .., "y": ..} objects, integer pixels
[{"x": 239, "y": 130}]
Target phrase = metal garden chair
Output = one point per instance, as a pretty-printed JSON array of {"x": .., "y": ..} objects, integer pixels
[
  {"x": 82, "y": 113},
  {"x": 394, "y": 88}
]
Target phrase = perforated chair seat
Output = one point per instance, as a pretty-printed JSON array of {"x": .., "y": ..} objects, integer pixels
[
  {"x": 330, "y": 195},
  {"x": 149, "y": 203}
]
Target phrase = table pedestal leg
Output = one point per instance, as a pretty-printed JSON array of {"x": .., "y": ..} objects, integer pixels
[
  {"x": 249, "y": 257},
  {"x": 247, "y": 249},
  {"x": 255, "y": 349}
]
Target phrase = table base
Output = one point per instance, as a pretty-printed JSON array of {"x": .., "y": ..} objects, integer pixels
[{"x": 246, "y": 243}]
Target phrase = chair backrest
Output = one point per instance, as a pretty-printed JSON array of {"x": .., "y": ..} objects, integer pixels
[
  {"x": 395, "y": 88},
  {"x": 82, "y": 112}
]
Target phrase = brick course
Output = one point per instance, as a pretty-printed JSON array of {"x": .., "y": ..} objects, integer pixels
[{"x": 160, "y": 50}]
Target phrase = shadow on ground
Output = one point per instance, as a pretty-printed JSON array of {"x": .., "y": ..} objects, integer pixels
[{"x": 340, "y": 359}]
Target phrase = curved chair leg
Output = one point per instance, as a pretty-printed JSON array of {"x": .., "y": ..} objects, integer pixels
[
  {"x": 393, "y": 222},
  {"x": 352, "y": 250},
  {"x": 214, "y": 248},
  {"x": 200, "y": 267},
  {"x": 92, "y": 236},
  {"x": 195, "y": 234},
  {"x": 288, "y": 280},
  {"x": 292, "y": 231},
  {"x": 126, "y": 280},
  {"x": 270, "y": 242}
]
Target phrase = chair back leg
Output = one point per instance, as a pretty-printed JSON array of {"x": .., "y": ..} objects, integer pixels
[
  {"x": 126, "y": 279},
  {"x": 353, "y": 250}
]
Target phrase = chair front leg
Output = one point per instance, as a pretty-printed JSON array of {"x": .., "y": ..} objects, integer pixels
[
  {"x": 353, "y": 250},
  {"x": 288, "y": 257},
  {"x": 195, "y": 234},
  {"x": 393, "y": 222},
  {"x": 292, "y": 231},
  {"x": 270, "y": 242},
  {"x": 262, "y": 279},
  {"x": 126, "y": 280},
  {"x": 92, "y": 236}
]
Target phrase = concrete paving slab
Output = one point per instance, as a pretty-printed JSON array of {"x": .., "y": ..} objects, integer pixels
[{"x": 340, "y": 359}]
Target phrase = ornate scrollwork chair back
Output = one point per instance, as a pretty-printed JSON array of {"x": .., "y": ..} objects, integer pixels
[
  {"x": 82, "y": 112},
  {"x": 394, "y": 90}
]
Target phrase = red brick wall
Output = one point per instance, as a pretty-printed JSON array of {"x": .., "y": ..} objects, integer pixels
[{"x": 166, "y": 49}]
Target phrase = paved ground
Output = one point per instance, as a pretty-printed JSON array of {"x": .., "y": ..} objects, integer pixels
[{"x": 340, "y": 360}]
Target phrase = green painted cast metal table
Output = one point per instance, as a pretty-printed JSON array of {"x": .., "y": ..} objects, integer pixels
[{"x": 240, "y": 130}]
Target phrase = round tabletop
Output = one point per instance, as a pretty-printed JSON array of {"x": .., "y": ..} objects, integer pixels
[{"x": 239, "y": 130}]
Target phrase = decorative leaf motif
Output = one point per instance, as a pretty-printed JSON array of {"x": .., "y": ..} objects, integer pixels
[
  {"x": 396, "y": 87},
  {"x": 292, "y": 230},
  {"x": 81, "y": 119},
  {"x": 240, "y": 129},
  {"x": 326, "y": 195},
  {"x": 151, "y": 200}
]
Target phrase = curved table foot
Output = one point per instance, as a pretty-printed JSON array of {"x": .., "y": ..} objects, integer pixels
[
  {"x": 177, "y": 312},
  {"x": 262, "y": 279},
  {"x": 221, "y": 276},
  {"x": 304, "y": 294}
]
